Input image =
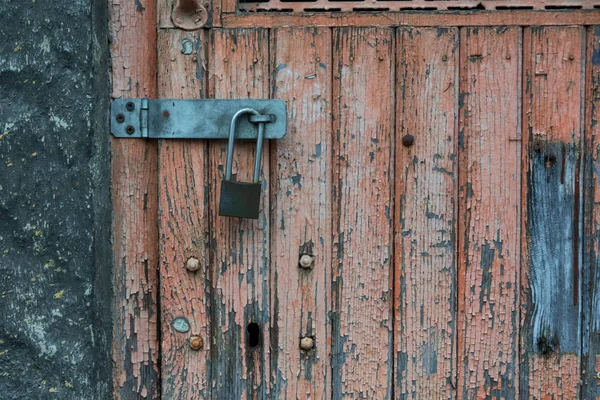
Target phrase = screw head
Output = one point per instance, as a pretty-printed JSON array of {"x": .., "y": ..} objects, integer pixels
[
  {"x": 130, "y": 130},
  {"x": 408, "y": 140},
  {"x": 306, "y": 261},
  {"x": 130, "y": 106},
  {"x": 192, "y": 264},
  {"x": 444, "y": 58},
  {"x": 196, "y": 342},
  {"x": 120, "y": 118},
  {"x": 307, "y": 343}
]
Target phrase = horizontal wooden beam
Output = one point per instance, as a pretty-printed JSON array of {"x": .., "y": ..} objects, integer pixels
[{"x": 413, "y": 18}]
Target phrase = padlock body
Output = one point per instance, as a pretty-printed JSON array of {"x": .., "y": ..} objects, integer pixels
[{"x": 240, "y": 199}]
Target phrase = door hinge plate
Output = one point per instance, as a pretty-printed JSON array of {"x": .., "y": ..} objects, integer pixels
[{"x": 192, "y": 119}]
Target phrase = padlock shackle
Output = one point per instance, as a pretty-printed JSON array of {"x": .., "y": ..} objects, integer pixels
[{"x": 259, "y": 144}]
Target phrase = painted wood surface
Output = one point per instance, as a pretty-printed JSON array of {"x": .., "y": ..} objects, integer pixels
[
  {"x": 489, "y": 210},
  {"x": 301, "y": 216},
  {"x": 432, "y": 262},
  {"x": 553, "y": 120},
  {"x": 183, "y": 226},
  {"x": 416, "y": 18},
  {"x": 590, "y": 270},
  {"x": 240, "y": 249},
  {"x": 426, "y": 199},
  {"x": 363, "y": 154},
  {"x": 135, "y": 210}
]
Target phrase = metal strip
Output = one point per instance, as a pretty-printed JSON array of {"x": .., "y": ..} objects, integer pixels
[{"x": 193, "y": 119}]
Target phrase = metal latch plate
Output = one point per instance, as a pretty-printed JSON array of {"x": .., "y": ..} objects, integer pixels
[{"x": 192, "y": 119}]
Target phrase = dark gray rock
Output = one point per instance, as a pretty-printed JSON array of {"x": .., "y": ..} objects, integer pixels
[{"x": 55, "y": 215}]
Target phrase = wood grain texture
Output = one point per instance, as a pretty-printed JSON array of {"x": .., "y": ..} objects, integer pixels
[
  {"x": 553, "y": 120},
  {"x": 165, "y": 9},
  {"x": 240, "y": 249},
  {"x": 135, "y": 207},
  {"x": 591, "y": 211},
  {"x": 363, "y": 154},
  {"x": 489, "y": 226},
  {"x": 183, "y": 224},
  {"x": 301, "y": 195},
  {"x": 411, "y": 18},
  {"x": 426, "y": 198}
]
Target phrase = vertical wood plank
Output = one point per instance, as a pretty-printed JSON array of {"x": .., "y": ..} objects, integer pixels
[
  {"x": 165, "y": 9},
  {"x": 183, "y": 225},
  {"x": 363, "y": 154},
  {"x": 553, "y": 122},
  {"x": 489, "y": 227},
  {"x": 301, "y": 224},
  {"x": 135, "y": 205},
  {"x": 591, "y": 189},
  {"x": 240, "y": 249},
  {"x": 426, "y": 175}
]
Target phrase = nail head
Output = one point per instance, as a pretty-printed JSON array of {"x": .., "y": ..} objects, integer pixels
[
  {"x": 196, "y": 342},
  {"x": 193, "y": 264},
  {"x": 306, "y": 261},
  {"x": 408, "y": 140},
  {"x": 307, "y": 343}
]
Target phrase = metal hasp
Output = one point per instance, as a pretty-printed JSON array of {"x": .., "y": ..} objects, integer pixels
[
  {"x": 193, "y": 119},
  {"x": 242, "y": 199}
]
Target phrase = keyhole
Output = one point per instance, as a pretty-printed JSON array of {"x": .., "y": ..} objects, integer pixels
[{"x": 253, "y": 335}]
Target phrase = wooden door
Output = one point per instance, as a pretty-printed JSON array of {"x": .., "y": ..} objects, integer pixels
[{"x": 440, "y": 173}]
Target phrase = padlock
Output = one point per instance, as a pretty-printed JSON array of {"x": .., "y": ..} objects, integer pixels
[{"x": 242, "y": 199}]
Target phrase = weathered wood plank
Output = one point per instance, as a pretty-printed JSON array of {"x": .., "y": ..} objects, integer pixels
[
  {"x": 591, "y": 212},
  {"x": 363, "y": 154},
  {"x": 183, "y": 225},
  {"x": 165, "y": 9},
  {"x": 135, "y": 205},
  {"x": 411, "y": 18},
  {"x": 552, "y": 110},
  {"x": 240, "y": 249},
  {"x": 426, "y": 176},
  {"x": 489, "y": 210},
  {"x": 301, "y": 166}
]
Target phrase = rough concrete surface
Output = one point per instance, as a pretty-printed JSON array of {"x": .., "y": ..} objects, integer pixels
[{"x": 55, "y": 259}]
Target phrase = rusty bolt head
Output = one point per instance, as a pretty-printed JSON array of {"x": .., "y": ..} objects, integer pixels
[
  {"x": 408, "y": 140},
  {"x": 196, "y": 342},
  {"x": 306, "y": 261},
  {"x": 571, "y": 57},
  {"x": 192, "y": 264},
  {"x": 307, "y": 343}
]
